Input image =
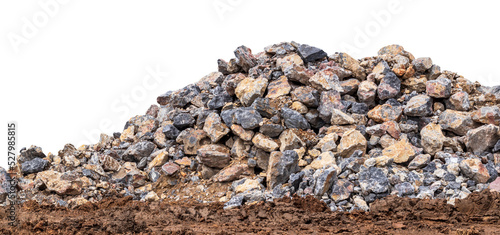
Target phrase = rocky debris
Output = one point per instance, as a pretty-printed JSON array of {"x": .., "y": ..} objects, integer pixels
[
  {"x": 419, "y": 106},
  {"x": 487, "y": 115},
  {"x": 34, "y": 166},
  {"x": 439, "y": 88},
  {"x": 310, "y": 53},
  {"x": 289, "y": 121},
  {"x": 389, "y": 86},
  {"x": 400, "y": 152},
  {"x": 456, "y": 122},
  {"x": 265, "y": 143},
  {"x": 217, "y": 156},
  {"x": 4, "y": 184},
  {"x": 459, "y": 101},
  {"x": 281, "y": 165},
  {"x": 432, "y": 138},
  {"x": 385, "y": 112},
  {"x": 214, "y": 127},
  {"x": 482, "y": 138},
  {"x": 294, "y": 119},
  {"x": 250, "y": 89},
  {"x": 350, "y": 142}
]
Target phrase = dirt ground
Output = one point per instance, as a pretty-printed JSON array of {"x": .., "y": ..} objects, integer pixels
[{"x": 478, "y": 214}]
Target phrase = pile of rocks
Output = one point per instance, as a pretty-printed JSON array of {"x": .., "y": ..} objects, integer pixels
[{"x": 291, "y": 120}]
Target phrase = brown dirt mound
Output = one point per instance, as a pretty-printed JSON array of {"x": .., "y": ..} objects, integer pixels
[{"x": 477, "y": 214}]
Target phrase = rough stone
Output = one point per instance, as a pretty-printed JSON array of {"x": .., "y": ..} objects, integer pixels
[
  {"x": 325, "y": 80},
  {"x": 294, "y": 119},
  {"x": 439, "y": 88},
  {"x": 432, "y": 138},
  {"x": 419, "y": 161},
  {"x": 34, "y": 166},
  {"x": 54, "y": 182},
  {"x": 310, "y": 53},
  {"x": 373, "y": 180},
  {"x": 422, "y": 64},
  {"x": 400, "y": 152},
  {"x": 459, "y": 101},
  {"x": 456, "y": 121},
  {"x": 231, "y": 172},
  {"x": 214, "y": 127},
  {"x": 214, "y": 155},
  {"x": 183, "y": 120},
  {"x": 419, "y": 106},
  {"x": 487, "y": 115},
  {"x": 170, "y": 168},
  {"x": 482, "y": 138},
  {"x": 281, "y": 165},
  {"x": 245, "y": 58},
  {"x": 385, "y": 112},
  {"x": 350, "y": 86},
  {"x": 277, "y": 88},
  {"x": 139, "y": 151},
  {"x": 351, "y": 141},
  {"x": 245, "y": 135},
  {"x": 473, "y": 168},
  {"x": 341, "y": 190},
  {"x": 324, "y": 181},
  {"x": 329, "y": 100},
  {"x": 367, "y": 92},
  {"x": 250, "y": 89},
  {"x": 265, "y": 143},
  {"x": 341, "y": 118},
  {"x": 389, "y": 86},
  {"x": 306, "y": 95}
]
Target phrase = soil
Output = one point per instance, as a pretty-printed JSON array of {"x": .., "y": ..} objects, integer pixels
[{"x": 477, "y": 214}]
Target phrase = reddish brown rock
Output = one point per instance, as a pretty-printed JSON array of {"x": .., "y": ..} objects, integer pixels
[
  {"x": 473, "y": 168},
  {"x": 170, "y": 168},
  {"x": 487, "y": 115},
  {"x": 231, "y": 172},
  {"x": 385, "y": 112},
  {"x": 459, "y": 101},
  {"x": 439, "y": 88},
  {"x": 214, "y": 155}
]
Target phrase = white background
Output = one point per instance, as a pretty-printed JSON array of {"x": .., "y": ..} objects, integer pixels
[{"x": 77, "y": 68}]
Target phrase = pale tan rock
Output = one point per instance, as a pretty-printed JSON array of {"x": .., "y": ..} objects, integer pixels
[
  {"x": 264, "y": 142},
  {"x": 400, "y": 152},
  {"x": 351, "y": 141}
]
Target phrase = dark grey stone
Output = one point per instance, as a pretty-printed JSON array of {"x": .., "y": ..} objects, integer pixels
[
  {"x": 34, "y": 166},
  {"x": 294, "y": 119},
  {"x": 170, "y": 131},
  {"x": 310, "y": 53},
  {"x": 183, "y": 120}
]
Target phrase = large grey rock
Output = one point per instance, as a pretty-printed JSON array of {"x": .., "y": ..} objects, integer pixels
[
  {"x": 281, "y": 165},
  {"x": 482, "y": 138},
  {"x": 138, "y": 151},
  {"x": 34, "y": 166}
]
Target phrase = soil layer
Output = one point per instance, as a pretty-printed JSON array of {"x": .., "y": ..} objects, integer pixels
[{"x": 477, "y": 214}]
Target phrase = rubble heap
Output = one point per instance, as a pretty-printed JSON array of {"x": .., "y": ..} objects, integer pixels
[{"x": 290, "y": 120}]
